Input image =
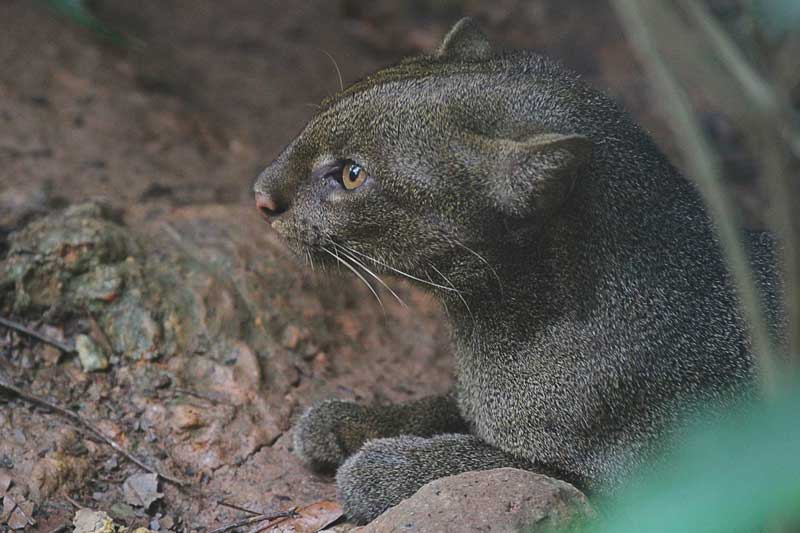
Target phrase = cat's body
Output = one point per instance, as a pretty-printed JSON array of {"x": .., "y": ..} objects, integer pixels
[{"x": 590, "y": 305}]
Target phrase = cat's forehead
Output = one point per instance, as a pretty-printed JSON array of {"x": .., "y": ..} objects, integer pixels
[
  {"x": 375, "y": 113},
  {"x": 413, "y": 107},
  {"x": 405, "y": 74}
]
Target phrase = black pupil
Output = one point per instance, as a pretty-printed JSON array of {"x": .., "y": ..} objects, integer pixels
[{"x": 355, "y": 170}]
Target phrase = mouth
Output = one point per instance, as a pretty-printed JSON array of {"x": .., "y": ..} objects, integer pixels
[{"x": 311, "y": 250}]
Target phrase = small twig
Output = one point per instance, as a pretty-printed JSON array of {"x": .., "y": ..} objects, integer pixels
[
  {"x": 71, "y": 500},
  {"x": 79, "y": 420},
  {"x": 16, "y": 326},
  {"x": 776, "y": 119},
  {"x": 196, "y": 394},
  {"x": 291, "y": 513},
  {"x": 238, "y": 508},
  {"x": 760, "y": 93},
  {"x": 273, "y": 524},
  {"x": 705, "y": 167},
  {"x": 60, "y": 528}
]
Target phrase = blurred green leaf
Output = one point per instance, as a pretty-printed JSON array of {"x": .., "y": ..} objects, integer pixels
[
  {"x": 778, "y": 17},
  {"x": 736, "y": 475}
]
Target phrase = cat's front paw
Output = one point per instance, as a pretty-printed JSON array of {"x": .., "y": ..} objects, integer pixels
[
  {"x": 386, "y": 471},
  {"x": 328, "y": 433}
]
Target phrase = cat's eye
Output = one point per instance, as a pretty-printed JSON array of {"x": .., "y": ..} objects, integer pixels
[{"x": 353, "y": 176}]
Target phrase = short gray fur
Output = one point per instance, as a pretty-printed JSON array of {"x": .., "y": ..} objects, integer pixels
[{"x": 594, "y": 312}]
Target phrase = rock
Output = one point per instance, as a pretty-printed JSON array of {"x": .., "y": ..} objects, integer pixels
[
  {"x": 215, "y": 337},
  {"x": 16, "y": 513},
  {"x": 167, "y": 522},
  {"x": 20, "y": 516},
  {"x": 123, "y": 512},
  {"x": 89, "y": 521},
  {"x": 186, "y": 417},
  {"x": 50, "y": 355},
  {"x": 141, "y": 490},
  {"x": 57, "y": 471},
  {"x": 500, "y": 500},
  {"x": 92, "y": 357},
  {"x": 132, "y": 329},
  {"x": 5, "y": 483},
  {"x": 66, "y": 260}
]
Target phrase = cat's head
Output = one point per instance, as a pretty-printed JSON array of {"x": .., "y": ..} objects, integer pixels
[{"x": 421, "y": 168}]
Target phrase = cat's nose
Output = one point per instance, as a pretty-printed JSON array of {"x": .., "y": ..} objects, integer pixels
[{"x": 269, "y": 205}]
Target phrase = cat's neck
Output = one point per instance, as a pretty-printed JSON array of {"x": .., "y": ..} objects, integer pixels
[{"x": 515, "y": 291}]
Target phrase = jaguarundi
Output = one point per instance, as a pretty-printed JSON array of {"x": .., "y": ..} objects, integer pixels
[{"x": 590, "y": 305}]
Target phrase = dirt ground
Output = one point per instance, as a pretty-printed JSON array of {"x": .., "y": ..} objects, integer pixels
[{"x": 169, "y": 133}]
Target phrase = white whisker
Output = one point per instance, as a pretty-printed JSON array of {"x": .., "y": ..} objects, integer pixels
[
  {"x": 483, "y": 259},
  {"x": 336, "y": 66},
  {"x": 358, "y": 274},
  {"x": 345, "y": 250},
  {"x": 406, "y": 274},
  {"x": 460, "y": 296},
  {"x": 338, "y": 260},
  {"x": 310, "y": 260}
]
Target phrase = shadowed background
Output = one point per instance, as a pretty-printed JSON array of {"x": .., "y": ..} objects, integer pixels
[{"x": 202, "y": 94}]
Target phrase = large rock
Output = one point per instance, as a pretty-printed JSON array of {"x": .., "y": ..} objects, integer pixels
[
  {"x": 505, "y": 499},
  {"x": 216, "y": 337}
]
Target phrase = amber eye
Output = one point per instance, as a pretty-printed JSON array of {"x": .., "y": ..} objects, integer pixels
[{"x": 353, "y": 176}]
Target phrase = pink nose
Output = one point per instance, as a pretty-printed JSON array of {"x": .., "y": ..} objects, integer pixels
[{"x": 268, "y": 206}]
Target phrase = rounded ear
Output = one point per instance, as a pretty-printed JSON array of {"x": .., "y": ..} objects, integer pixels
[
  {"x": 465, "y": 41},
  {"x": 532, "y": 176}
]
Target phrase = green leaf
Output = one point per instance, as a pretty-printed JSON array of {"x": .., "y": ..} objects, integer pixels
[
  {"x": 735, "y": 475},
  {"x": 778, "y": 17}
]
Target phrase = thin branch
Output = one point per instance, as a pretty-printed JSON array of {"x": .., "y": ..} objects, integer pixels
[
  {"x": 74, "y": 502},
  {"x": 16, "y": 326},
  {"x": 774, "y": 117},
  {"x": 80, "y": 421},
  {"x": 759, "y": 91},
  {"x": 784, "y": 215},
  {"x": 237, "y": 507},
  {"x": 291, "y": 513},
  {"x": 196, "y": 394},
  {"x": 705, "y": 168},
  {"x": 272, "y": 525}
]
